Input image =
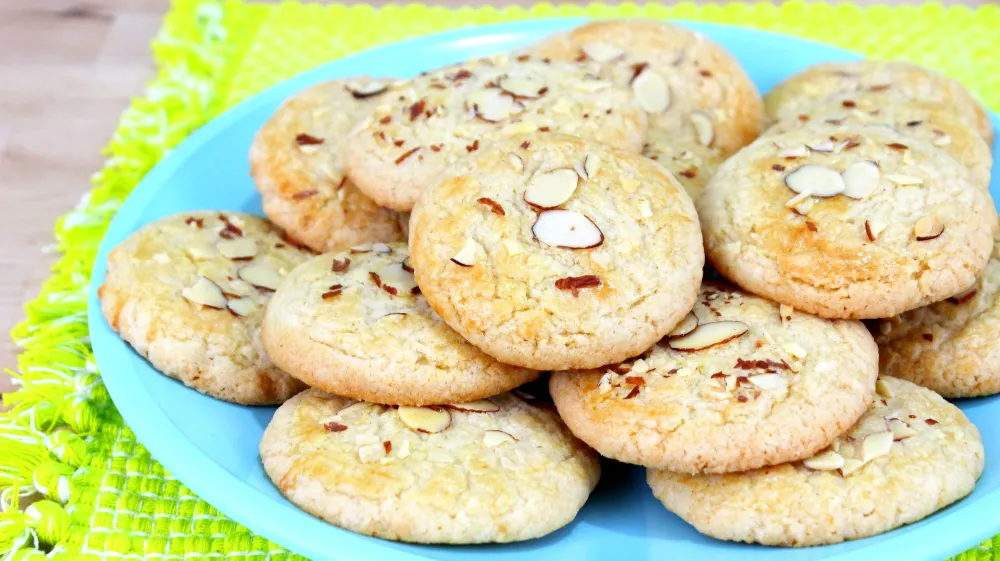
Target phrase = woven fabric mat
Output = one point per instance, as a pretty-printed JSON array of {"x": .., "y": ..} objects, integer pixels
[{"x": 104, "y": 496}]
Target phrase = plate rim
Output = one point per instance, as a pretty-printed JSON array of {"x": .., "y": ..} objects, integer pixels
[{"x": 218, "y": 486}]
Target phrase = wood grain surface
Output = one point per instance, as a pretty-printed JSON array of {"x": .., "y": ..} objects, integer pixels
[{"x": 67, "y": 70}]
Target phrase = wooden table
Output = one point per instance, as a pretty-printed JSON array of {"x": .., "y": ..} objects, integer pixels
[{"x": 67, "y": 70}]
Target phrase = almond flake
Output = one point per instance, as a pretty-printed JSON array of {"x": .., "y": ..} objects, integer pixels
[
  {"x": 513, "y": 247},
  {"x": 860, "y": 179},
  {"x": 703, "y": 127},
  {"x": 493, "y": 438},
  {"x": 466, "y": 256},
  {"x": 381, "y": 248},
  {"x": 241, "y": 306},
  {"x": 591, "y": 165},
  {"x": 708, "y": 335},
  {"x": 824, "y": 147},
  {"x": 816, "y": 181},
  {"x": 941, "y": 141},
  {"x": 567, "y": 229},
  {"x": 592, "y": 84},
  {"x": 205, "y": 293},
  {"x": 826, "y": 461},
  {"x": 425, "y": 419},
  {"x": 882, "y": 388},
  {"x": 791, "y": 153},
  {"x": 785, "y": 312},
  {"x": 371, "y": 453},
  {"x": 651, "y": 91},
  {"x": 928, "y": 228},
  {"x": 260, "y": 276},
  {"x": 491, "y": 105},
  {"x": 239, "y": 248},
  {"x": 477, "y": 406},
  {"x": 876, "y": 445},
  {"x": 687, "y": 325},
  {"x": 901, "y": 430},
  {"x": 601, "y": 52},
  {"x": 901, "y": 179},
  {"x": 874, "y": 228},
  {"x": 769, "y": 381},
  {"x": 199, "y": 254},
  {"x": 365, "y": 440},
  {"x": 515, "y": 162},
  {"x": 795, "y": 350},
  {"x": 528, "y": 87},
  {"x": 551, "y": 189},
  {"x": 361, "y": 90},
  {"x": 396, "y": 280}
]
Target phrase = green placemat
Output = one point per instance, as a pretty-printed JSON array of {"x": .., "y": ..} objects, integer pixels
[{"x": 105, "y": 497}]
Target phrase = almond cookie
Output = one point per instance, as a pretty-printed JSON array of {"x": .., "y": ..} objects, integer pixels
[
  {"x": 497, "y": 470},
  {"x": 895, "y": 79},
  {"x": 738, "y": 385},
  {"x": 354, "y": 322},
  {"x": 297, "y": 162},
  {"x": 953, "y": 346},
  {"x": 553, "y": 252},
  {"x": 702, "y": 106},
  {"x": 928, "y": 122},
  {"x": 910, "y": 455},
  {"x": 847, "y": 222},
  {"x": 188, "y": 292},
  {"x": 429, "y": 122}
]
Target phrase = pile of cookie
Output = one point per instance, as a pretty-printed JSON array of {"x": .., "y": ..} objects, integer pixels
[{"x": 562, "y": 201}]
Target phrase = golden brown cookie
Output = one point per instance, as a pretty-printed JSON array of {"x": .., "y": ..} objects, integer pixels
[
  {"x": 188, "y": 292},
  {"x": 297, "y": 162}
]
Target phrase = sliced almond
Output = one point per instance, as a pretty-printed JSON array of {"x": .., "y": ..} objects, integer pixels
[
  {"x": 371, "y": 453},
  {"x": 241, "y": 306},
  {"x": 552, "y": 188},
  {"x": 492, "y": 105},
  {"x": 396, "y": 280},
  {"x": 873, "y": 228},
  {"x": 703, "y": 127},
  {"x": 528, "y": 87},
  {"x": 513, "y": 247},
  {"x": 425, "y": 419},
  {"x": 566, "y": 228},
  {"x": 477, "y": 406},
  {"x": 651, "y": 91},
  {"x": 795, "y": 350},
  {"x": 520, "y": 127},
  {"x": 882, "y": 388},
  {"x": 941, "y": 141},
  {"x": 785, "y": 312},
  {"x": 825, "y": 461},
  {"x": 515, "y": 161},
  {"x": 380, "y": 247},
  {"x": 904, "y": 180},
  {"x": 361, "y": 90},
  {"x": 687, "y": 325},
  {"x": 591, "y": 165},
  {"x": 928, "y": 228},
  {"x": 901, "y": 430},
  {"x": 850, "y": 466},
  {"x": 825, "y": 146},
  {"x": 816, "y": 181},
  {"x": 260, "y": 276},
  {"x": 466, "y": 256},
  {"x": 602, "y": 52},
  {"x": 238, "y": 248},
  {"x": 769, "y": 381},
  {"x": 494, "y": 438},
  {"x": 200, "y": 254},
  {"x": 860, "y": 179},
  {"x": 876, "y": 445},
  {"x": 791, "y": 153},
  {"x": 709, "y": 335},
  {"x": 366, "y": 440},
  {"x": 205, "y": 293}
]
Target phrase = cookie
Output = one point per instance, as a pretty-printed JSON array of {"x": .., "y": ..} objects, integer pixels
[
  {"x": 953, "y": 346},
  {"x": 927, "y": 122},
  {"x": 297, "y": 162},
  {"x": 188, "y": 292},
  {"x": 740, "y": 385},
  {"x": 891, "y": 224},
  {"x": 553, "y": 252},
  {"x": 909, "y": 456},
  {"x": 897, "y": 79},
  {"x": 354, "y": 323},
  {"x": 702, "y": 106},
  {"x": 429, "y": 122},
  {"x": 496, "y": 470}
]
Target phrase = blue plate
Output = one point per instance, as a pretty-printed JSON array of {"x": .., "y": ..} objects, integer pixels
[{"x": 211, "y": 446}]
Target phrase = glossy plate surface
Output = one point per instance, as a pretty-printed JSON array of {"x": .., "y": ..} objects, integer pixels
[{"x": 211, "y": 446}]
